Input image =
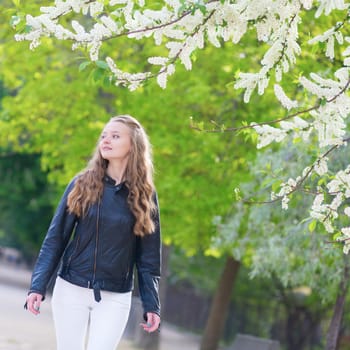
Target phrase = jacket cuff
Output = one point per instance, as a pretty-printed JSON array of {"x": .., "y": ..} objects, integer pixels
[
  {"x": 37, "y": 292},
  {"x": 153, "y": 312}
]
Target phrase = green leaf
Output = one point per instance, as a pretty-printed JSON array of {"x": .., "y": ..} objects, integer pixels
[
  {"x": 83, "y": 65},
  {"x": 14, "y": 21},
  {"x": 27, "y": 28},
  {"x": 102, "y": 65},
  {"x": 107, "y": 81},
  {"x": 17, "y": 3},
  {"x": 98, "y": 74},
  {"x": 312, "y": 225},
  {"x": 323, "y": 101},
  {"x": 276, "y": 185},
  {"x": 202, "y": 8},
  {"x": 182, "y": 9},
  {"x": 336, "y": 236}
]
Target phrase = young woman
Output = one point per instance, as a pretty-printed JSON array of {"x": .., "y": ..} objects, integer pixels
[{"x": 106, "y": 223}]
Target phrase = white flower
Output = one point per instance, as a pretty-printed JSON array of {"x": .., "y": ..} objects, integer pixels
[
  {"x": 268, "y": 134},
  {"x": 330, "y": 47},
  {"x": 34, "y": 44},
  {"x": 78, "y": 28},
  {"x": 185, "y": 57},
  {"x": 292, "y": 183},
  {"x": 33, "y": 22},
  {"x": 341, "y": 182},
  {"x": 75, "y": 5},
  {"x": 286, "y": 125},
  {"x": 162, "y": 80},
  {"x": 335, "y": 204},
  {"x": 312, "y": 87},
  {"x": 94, "y": 49},
  {"x": 320, "y": 166},
  {"x": 249, "y": 81},
  {"x": 327, "y": 6},
  {"x": 346, "y": 247},
  {"x": 212, "y": 34},
  {"x": 339, "y": 37},
  {"x": 300, "y": 123},
  {"x": 171, "y": 69},
  {"x": 346, "y": 232},
  {"x": 172, "y": 33},
  {"x": 96, "y": 7},
  {"x": 330, "y": 126},
  {"x": 284, "y": 100},
  {"x": 322, "y": 37},
  {"x": 158, "y": 60},
  {"x": 111, "y": 64},
  {"x": 285, "y": 201},
  {"x": 174, "y": 48},
  {"x": 328, "y": 225},
  {"x": 307, "y": 4},
  {"x": 318, "y": 208},
  {"x": 109, "y": 23}
]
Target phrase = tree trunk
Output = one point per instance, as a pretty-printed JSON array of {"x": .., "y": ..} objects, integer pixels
[
  {"x": 334, "y": 326},
  {"x": 218, "y": 311},
  {"x": 152, "y": 341}
]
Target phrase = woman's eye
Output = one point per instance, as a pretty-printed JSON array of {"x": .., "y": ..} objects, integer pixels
[{"x": 116, "y": 136}]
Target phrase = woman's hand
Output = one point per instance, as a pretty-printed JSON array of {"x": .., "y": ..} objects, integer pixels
[
  {"x": 33, "y": 303},
  {"x": 153, "y": 322}
]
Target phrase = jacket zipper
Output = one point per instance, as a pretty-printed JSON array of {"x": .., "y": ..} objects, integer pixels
[
  {"x": 95, "y": 285},
  {"x": 96, "y": 241}
]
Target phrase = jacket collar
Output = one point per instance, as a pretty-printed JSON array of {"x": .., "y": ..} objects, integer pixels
[
  {"x": 110, "y": 181},
  {"x": 107, "y": 179}
]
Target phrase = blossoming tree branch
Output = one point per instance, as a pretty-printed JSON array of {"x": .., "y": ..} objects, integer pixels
[{"x": 182, "y": 27}]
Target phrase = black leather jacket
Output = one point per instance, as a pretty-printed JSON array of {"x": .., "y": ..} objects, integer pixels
[{"x": 100, "y": 250}]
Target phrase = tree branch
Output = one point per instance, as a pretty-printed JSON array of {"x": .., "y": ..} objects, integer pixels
[
  {"x": 299, "y": 184},
  {"x": 237, "y": 129}
]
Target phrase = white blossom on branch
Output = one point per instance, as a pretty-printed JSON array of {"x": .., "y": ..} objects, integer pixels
[{"x": 184, "y": 27}]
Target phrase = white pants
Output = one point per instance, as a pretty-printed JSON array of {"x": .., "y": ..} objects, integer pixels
[{"x": 75, "y": 311}]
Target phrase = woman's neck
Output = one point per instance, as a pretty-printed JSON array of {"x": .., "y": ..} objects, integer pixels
[{"x": 116, "y": 171}]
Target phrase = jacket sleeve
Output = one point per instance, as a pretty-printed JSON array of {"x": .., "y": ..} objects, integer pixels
[
  {"x": 54, "y": 244},
  {"x": 148, "y": 264}
]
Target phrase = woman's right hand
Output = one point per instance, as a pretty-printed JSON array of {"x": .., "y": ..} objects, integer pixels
[{"x": 33, "y": 303}]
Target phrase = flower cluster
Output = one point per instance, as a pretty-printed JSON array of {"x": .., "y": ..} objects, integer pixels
[
  {"x": 338, "y": 190},
  {"x": 268, "y": 134},
  {"x": 181, "y": 31},
  {"x": 281, "y": 31},
  {"x": 183, "y": 27}
]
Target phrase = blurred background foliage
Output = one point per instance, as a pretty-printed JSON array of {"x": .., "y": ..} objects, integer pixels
[{"x": 50, "y": 118}]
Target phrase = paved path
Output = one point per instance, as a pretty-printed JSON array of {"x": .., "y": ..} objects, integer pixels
[{"x": 20, "y": 330}]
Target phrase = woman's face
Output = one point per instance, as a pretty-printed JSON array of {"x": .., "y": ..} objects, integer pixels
[{"x": 115, "y": 141}]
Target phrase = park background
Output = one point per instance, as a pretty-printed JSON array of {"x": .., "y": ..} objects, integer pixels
[{"x": 52, "y": 109}]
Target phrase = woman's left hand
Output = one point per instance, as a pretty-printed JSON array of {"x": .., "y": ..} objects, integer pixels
[{"x": 153, "y": 322}]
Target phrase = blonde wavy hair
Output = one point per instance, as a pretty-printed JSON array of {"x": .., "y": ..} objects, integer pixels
[{"x": 138, "y": 177}]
